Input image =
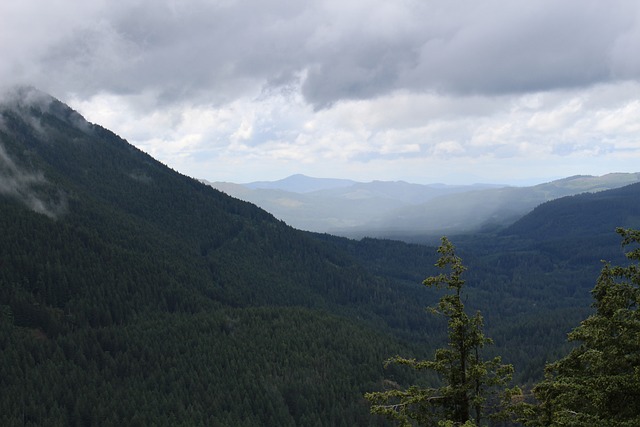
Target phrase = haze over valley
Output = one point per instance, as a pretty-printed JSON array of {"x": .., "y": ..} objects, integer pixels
[{"x": 404, "y": 211}]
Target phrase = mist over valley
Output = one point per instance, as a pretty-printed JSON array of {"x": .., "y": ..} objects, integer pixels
[{"x": 409, "y": 212}]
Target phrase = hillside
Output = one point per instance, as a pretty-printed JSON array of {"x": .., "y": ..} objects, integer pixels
[
  {"x": 581, "y": 215},
  {"x": 300, "y": 184},
  {"x": 131, "y": 294}
]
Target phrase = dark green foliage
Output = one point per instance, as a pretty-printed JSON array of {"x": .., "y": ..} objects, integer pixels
[
  {"x": 133, "y": 295},
  {"x": 598, "y": 382},
  {"x": 589, "y": 214},
  {"x": 260, "y": 366},
  {"x": 468, "y": 382}
]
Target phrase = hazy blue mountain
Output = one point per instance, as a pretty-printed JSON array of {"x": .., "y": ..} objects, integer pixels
[
  {"x": 477, "y": 210},
  {"x": 398, "y": 191},
  {"x": 412, "y": 211},
  {"x": 300, "y": 184},
  {"x": 340, "y": 209}
]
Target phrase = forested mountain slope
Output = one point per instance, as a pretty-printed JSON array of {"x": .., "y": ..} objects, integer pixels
[
  {"x": 532, "y": 281},
  {"x": 582, "y": 215},
  {"x": 130, "y": 294}
]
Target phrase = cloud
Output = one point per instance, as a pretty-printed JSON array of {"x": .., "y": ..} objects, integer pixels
[
  {"x": 19, "y": 182},
  {"x": 231, "y": 88},
  {"x": 216, "y": 52},
  {"x": 281, "y": 135},
  {"x": 23, "y": 185}
]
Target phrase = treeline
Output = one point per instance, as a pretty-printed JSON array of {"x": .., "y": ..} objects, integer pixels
[
  {"x": 261, "y": 366},
  {"x": 596, "y": 383},
  {"x": 101, "y": 330}
]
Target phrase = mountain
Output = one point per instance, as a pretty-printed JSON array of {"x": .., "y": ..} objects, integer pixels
[
  {"x": 477, "y": 210},
  {"x": 350, "y": 208},
  {"x": 131, "y": 294},
  {"x": 413, "y": 212},
  {"x": 300, "y": 184},
  {"x": 589, "y": 214}
]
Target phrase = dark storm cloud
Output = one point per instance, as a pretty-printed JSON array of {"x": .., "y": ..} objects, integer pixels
[
  {"x": 487, "y": 48},
  {"x": 216, "y": 51},
  {"x": 193, "y": 50}
]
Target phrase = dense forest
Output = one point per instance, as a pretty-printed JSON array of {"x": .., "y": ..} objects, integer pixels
[{"x": 133, "y": 295}]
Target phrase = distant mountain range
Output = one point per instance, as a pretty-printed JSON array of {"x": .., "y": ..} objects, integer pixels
[
  {"x": 406, "y": 211},
  {"x": 301, "y": 184}
]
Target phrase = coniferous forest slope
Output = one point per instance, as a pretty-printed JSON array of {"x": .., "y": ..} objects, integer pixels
[{"x": 133, "y": 295}]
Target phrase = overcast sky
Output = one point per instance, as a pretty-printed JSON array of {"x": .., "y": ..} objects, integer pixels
[{"x": 502, "y": 91}]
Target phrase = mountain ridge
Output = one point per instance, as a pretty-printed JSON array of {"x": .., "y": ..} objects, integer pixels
[
  {"x": 396, "y": 209},
  {"x": 152, "y": 297},
  {"x": 583, "y": 214},
  {"x": 299, "y": 183}
]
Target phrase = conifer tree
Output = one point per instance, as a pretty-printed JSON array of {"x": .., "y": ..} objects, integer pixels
[
  {"x": 467, "y": 394},
  {"x": 598, "y": 383}
]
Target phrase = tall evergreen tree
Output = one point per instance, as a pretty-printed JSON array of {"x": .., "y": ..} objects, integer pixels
[
  {"x": 598, "y": 383},
  {"x": 467, "y": 393}
]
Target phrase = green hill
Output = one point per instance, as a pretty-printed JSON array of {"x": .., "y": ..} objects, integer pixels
[
  {"x": 590, "y": 214},
  {"x": 133, "y": 295}
]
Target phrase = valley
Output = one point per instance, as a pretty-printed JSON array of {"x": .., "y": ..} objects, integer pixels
[{"x": 404, "y": 211}]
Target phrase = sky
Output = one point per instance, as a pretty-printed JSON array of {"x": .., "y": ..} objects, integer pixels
[{"x": 459, "y": 92}]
